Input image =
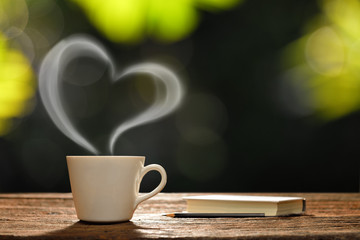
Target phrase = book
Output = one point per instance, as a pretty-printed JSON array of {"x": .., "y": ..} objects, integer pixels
[{"x": 248, "y": 205}]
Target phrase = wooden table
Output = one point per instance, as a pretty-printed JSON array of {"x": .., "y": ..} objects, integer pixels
[{"x": 52, "y": 216}]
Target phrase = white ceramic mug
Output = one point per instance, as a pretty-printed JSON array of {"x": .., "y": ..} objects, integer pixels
[{"x": 106, "y": 188}]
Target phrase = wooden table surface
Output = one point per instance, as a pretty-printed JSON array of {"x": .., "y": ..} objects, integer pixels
[{"x": 52, "y": 216}]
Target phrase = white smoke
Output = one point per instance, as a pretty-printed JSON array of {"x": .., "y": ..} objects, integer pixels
[{"x": 56, "y": 61}]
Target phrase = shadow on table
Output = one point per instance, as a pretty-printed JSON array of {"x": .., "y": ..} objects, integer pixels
[{"x": 85, "y": 230}]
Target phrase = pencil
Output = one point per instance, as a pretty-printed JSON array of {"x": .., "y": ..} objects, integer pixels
[{"x": 212, "y": 215}]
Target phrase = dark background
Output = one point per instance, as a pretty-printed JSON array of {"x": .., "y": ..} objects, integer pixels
[{"x": 231, "y": 66}]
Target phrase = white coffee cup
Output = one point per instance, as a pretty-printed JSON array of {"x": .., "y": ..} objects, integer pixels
[{"x": 106, "y": 188}]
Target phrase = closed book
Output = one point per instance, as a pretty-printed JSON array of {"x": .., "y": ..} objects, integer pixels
[{"x": 257, "y": 205}]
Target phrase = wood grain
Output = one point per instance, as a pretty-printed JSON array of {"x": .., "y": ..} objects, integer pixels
[{"x": 52, "y": 216}]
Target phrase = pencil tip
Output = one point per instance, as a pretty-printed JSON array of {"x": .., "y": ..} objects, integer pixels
[{"x": 169, "y": 215}]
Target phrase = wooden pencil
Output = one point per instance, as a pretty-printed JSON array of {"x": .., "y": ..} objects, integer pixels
[{"x": 212, "y": 215}]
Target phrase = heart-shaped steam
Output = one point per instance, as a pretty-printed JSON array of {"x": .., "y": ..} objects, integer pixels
[{"x": 73, "y": 47}]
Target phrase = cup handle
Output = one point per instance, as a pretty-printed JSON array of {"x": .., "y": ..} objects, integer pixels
[{"x": 145, "y": 170}]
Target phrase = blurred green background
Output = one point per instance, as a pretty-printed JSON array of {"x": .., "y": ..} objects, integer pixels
[{"x": 272, "y": 92}]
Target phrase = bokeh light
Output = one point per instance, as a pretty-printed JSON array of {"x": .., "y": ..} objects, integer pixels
[
  {"x": 326, "y": 60},
  {"x": 45, "y": 26},
  {"x": 202, "y": 152},
  {"x": 130, "y": 21},
  {"x": 17, "y": 85},
  {"x": 319, "y": 57},
  {"x": 171, "y": 20},
  {"x": 202, "y": 120},
  {"x": 217, "y": 5},
  {"x": 14, "y": 17},
  {"x": 27, "y": 31}
]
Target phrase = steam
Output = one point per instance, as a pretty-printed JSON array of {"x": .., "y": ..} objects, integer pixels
[{"x": 56, "y": 61}]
